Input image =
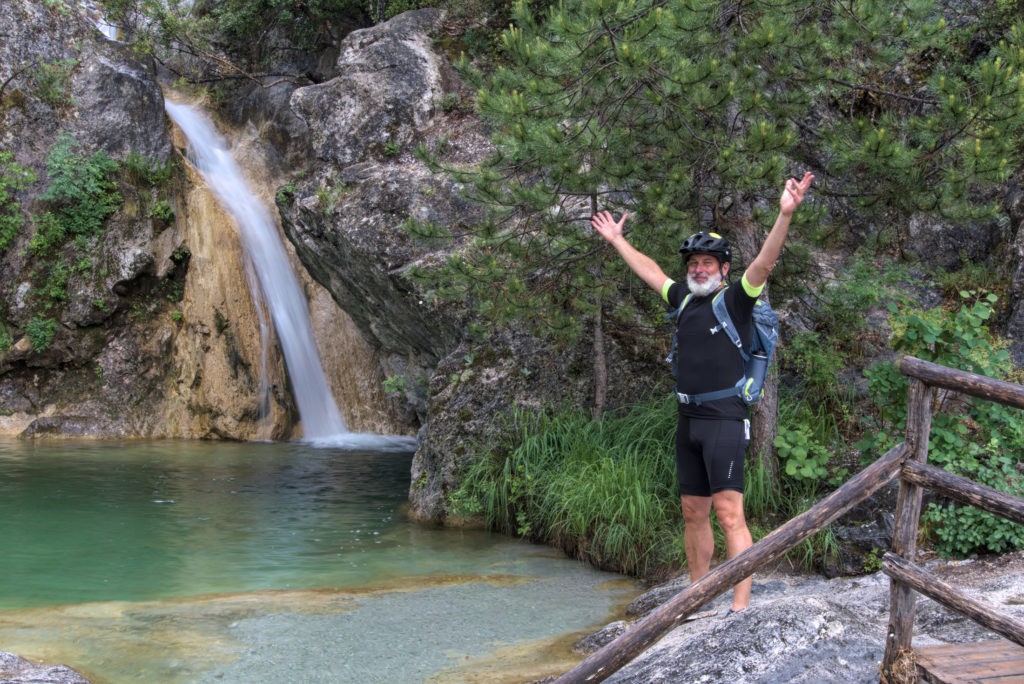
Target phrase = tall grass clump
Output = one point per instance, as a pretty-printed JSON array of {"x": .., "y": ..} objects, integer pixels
[{"x": 604, "y": 491}]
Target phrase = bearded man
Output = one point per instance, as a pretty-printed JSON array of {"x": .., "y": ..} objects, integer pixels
[{"x": 711, "y": 435}]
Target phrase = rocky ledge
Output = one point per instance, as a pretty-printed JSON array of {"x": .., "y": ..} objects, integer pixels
[
  {"x": 17, "y": 670},
  {"x": 808, "y": 628}
]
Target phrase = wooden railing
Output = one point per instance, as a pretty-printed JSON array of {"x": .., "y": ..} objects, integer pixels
[
  {"x": 907, "y": 577},
  {"x": 909, "y": 461}
]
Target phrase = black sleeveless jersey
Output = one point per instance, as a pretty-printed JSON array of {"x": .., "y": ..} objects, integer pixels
[{"x": 706, "y": 360}]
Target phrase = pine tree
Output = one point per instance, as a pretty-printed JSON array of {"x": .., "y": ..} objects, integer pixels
[{"x": 686, "y": 111}]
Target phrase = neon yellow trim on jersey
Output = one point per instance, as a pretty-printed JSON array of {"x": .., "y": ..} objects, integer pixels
[
  {"x": 750, "y": 289},
  {"x": 664, "y": 288}
]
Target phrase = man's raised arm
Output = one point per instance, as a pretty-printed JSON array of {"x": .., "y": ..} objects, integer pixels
[
  {"x": 641, "y": 264},
  {"x": 758, "y": 270}
]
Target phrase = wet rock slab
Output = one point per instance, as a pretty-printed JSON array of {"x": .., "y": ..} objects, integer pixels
[
  {"x": 17, "y": 670},
  {"x": 809, "y": 629}
]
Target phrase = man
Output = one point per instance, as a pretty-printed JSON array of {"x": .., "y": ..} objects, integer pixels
[{"x": 711, "y": 436}]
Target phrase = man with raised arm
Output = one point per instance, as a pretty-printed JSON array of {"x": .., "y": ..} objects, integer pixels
[{"x": 711, "y": 436}]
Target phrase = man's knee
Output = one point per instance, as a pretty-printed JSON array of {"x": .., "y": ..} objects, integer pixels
[
  {"x": 696, "y": 508},
  {"x": 729, "y": 510}
]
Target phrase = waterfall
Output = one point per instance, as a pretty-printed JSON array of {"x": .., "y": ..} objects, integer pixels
[
  {"x": 95, "y": 14},
  {"x": 271, "y": 278}
]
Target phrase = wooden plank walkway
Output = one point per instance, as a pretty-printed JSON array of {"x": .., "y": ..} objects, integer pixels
[{"x": 986, "y": 662}]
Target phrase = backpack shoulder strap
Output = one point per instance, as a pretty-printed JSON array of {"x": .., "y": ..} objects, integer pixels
[
  {"x": 725, "y": 320},
  {"x": 679, "y": 309}
]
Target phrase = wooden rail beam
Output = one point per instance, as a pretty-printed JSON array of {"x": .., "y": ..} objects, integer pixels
[
  {"x": 614, "y": 655},
  {"x": 965, "y": 491},
  {"x": 934, "y": 588},
  {"x": 961, "y": 381}
]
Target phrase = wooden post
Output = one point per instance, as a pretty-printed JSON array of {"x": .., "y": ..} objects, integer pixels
[{"x": 908, "y": 514}]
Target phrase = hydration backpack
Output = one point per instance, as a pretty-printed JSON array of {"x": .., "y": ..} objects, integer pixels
[{"x": 765, "y": 336}]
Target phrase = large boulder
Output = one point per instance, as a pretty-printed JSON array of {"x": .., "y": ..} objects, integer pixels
[
  {"x": 388, "y": 87},
  {"x": 16, "y": 670},
  {"x": 347, "y": 219}
]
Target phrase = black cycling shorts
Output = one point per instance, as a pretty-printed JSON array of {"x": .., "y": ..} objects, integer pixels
[{"x": 709, "y": 455}]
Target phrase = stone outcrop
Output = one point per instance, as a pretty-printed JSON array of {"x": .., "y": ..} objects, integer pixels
[
  {"x": 807, "y": 629},
  {"x": 17, "y": 670},
  {"x": 61, "y": 76},
  {"x": 347, "y": 220}
]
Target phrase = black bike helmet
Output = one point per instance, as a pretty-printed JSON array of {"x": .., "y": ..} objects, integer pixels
[{"x": 707, "y": 243}]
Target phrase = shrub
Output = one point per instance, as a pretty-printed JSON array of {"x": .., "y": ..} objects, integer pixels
[
  {"x": 41, "y": 331},
  {"x": 972, "y": 437},
  {"x": 52, "y": 82},
  {"x": 13, "y": 177},
  {"x": 82, "y": 190},
  {"x": 143, "y": 171}
]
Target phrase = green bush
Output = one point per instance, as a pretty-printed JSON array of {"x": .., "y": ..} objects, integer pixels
[
  {"x": 146, "y": 172},
  {"x": 803, "y": 457},
  {"x": 52, "y": 82},
  {"x": 13, "y": 177},
  {"x": 961, "y": 531},
  {"x": 972, "y": 437},
  {"x": 82, "y": 192},
  {"x": 162, "y": 211},
  {"x": 41, "y": 331}
]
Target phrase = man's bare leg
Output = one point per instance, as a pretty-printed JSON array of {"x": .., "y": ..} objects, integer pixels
[
  {"x": 697, "y": 535},
  {"x": 728, "y": 506}
]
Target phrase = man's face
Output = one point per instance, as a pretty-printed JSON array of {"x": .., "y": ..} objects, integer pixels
[{"x": 704, "y": 274}]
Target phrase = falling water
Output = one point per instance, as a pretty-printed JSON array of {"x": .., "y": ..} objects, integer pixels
[
  {"x": 95, "y": 14},
  {"x": 271, "y": 277}
]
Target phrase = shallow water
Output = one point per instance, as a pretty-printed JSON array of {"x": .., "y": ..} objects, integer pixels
[{"x": 201, "y": 561}]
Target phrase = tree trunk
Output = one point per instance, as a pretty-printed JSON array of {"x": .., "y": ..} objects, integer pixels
[
  {"x": 743, "y": 233},
  {"x": 600, "y": 367}
]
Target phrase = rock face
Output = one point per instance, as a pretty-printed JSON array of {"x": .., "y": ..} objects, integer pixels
[
  {"x": 61, "y": 76},
  {"x": 389, "y": 86},
  {"x": 154, "y": 331},
  {"x": 347, "y": 220}
]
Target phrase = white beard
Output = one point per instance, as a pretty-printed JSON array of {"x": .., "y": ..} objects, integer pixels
[{"x": 707, "y": 287}]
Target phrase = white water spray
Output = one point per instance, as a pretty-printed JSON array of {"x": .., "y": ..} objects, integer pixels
[{"x": 270, "y": 274}]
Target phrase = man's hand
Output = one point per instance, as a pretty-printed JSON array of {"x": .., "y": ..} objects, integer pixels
[
  {"x": 605, "y": 224},
  {"x": 641, "y": 264},
  {"x": 793, "y": 195}
]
